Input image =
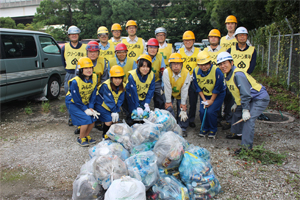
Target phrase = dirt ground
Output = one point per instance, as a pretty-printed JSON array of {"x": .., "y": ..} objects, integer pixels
[{"x": 40, "y": 158}]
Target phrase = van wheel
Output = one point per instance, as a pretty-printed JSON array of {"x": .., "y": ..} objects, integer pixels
[{"x": 53, "y": 89}]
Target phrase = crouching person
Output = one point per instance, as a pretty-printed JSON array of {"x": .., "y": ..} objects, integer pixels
[
  {"x": 110, "y": 97},
  {"x": 80, "y": 100}
]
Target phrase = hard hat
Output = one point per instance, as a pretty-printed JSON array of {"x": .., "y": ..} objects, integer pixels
[
  {"x": 92, "y": 46},
  {"x": 144, "y": 56},
  {"x": 116, "y": 71},
  {"x": 160, "y": 30},
  {"x": 102, "y": 29},
  {"x": 214, "y": 32},
  {"x": 73, "y": 30},
  {"x": 84, "y": 62},
  {"x": 203, "y": 57},
  {"x": 116, "y": 27},
  {"x": 231, "y": 19},
  {"x": 152, "y": 42},
  {"x": 131, "y": 23},
  {"x": 223, "y": 56},
  {"x": 121, "y": 47},
  {"x": 240, "y": 30},
  {"x": 188, "y": 35},
  {"x": 175, "y": 57}
]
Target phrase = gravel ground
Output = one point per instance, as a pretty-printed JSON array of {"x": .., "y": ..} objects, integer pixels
[{"x": 40, "y": 158}]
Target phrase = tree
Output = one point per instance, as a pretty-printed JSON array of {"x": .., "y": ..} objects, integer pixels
[
  {"x": 20, "y": 26},
  {"x": 7, "y": 22}
]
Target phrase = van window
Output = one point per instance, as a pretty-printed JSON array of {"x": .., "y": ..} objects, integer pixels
[
  {"x": 49, "y": 45},
  {"x": 17, "y": 46}
]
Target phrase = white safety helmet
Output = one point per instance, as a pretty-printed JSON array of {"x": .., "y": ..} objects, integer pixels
[
  {"x": 160, "y": 30},
  {"x": 73, "y": 30},
  {"x": 223, "y": 56},
  {"x": 240, "y": 30}
]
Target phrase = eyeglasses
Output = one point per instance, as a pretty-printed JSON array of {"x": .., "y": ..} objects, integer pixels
[
  {"x": 160, "y": 35},
  {"x": 121, "y": 52},
  {"x": 102, "y": 35}
]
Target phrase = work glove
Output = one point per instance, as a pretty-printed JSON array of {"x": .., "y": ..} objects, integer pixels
[
  {"x": 139, "y": 111},
  {"x": 246, "y": 115},
  {"x": 147, "y": 109},
  {"x": 233, "y": 108},
  {"x": 115, "y": 117},
  {"x": 89, "y": 112},
  {"x": 204, "y": 103},
  {"x": 183, "y": 107},
  {"x": 183, "y": 116},
  {"x": 95, "y": 114}
]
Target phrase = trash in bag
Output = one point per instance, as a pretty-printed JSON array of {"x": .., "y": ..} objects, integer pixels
[
  {"x": 168, "y": 187},
  {"x": 134, "y": 115},
  {"x": 174, "y": 172},
  {"x": 163, "y": 117},
  {"x": 169, "y": 150},
  {"x": 126, "y": 188},
  {"x": 147, "y": 132},
  {"x": 108, "y": 147},
  {"x": 143, "y": 167},
  {"x": 207, "y": 190},
  {"x": 120, "y": 133},
  {"x": 88, "y": 167},
  {"x": 108, "y": 168},
  {"x": 199, "y": 152},
  {"x": 146, "y": 146},
  {"x": 86, "y": 187},
  {"x": 177, "y": 129}
]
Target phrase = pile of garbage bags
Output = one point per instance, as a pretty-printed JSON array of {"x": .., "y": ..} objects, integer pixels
[{"x": 147, "y": 161}]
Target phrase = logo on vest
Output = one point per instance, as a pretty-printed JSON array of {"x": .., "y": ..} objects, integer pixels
[
  {"x": 174, "y": 89},
  {"x": 241, "y": 65},
  {"x": 209, "y": 81},
  {"x": 74, "y": 61},
  {"x": 154, "y": 70},
  {"x": 162, "y": 53},
  {"x": 143, "y": 95},
  {"x": 132, "y": 54},
  {"x": 189, "y": 67},
  {"x": 231, "y": 87},
  {"x": 205, "y": 89}
]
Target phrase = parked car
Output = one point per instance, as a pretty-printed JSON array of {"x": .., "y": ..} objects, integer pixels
[
  {"x": 205, "y": 41},
  {"x": 199, "y": 45},
  {"x": 30, "y": 65},
  {"x": 85, "y": 41},
  {"x": 178, "y": 45},
  {"x": 61, "y": 43}
]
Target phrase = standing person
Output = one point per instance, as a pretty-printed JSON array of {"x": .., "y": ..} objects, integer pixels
[
  {"x": 158, "y": 66},
  {"x": 211, "y": 88},
  {"x": 176, "y": 83},
  {"x": 110, "y": 97},
  {"x": 229, "y": 40},
  {"x": 251, "y": 99},
  {"x": 116, "y": 31},
  {"x": 135, "y": 45},
  {"x": 80, "y": 100},
  {"x": 189, "y": 54},
  {"x": 70, "y": 54},
  {"x": 140, "y": 87},
  {"x": 107, "y": 49},
  {"x": 165, "y": 49}
]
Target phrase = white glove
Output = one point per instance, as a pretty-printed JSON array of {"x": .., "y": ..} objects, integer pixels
[
  {"x": 183, "y": 116},
  {"x": 233, "y": 108},
  {"x": 147, "y": 109},
  {"x": 95, "y": 114},
  {"x": 115, "y": 117},
  {"x": 139, "y": 111},
  {"x": 246, "y": 115},
  {"x": 89, "y": 112}
]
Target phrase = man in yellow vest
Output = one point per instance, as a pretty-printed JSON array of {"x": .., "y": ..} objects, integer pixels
[
  {"x": 135, "y": 45},
  {"x": 189, "y": 55},
  {"x": 251, "y": 99},
  {"x": 107, "y": 49},
  {"x": 116, "y": 30},
  {"x": 229, "y": 40},
  {"x": 70, "y": 54},
  {"x": 177, "y": 80},
  {"x": 165, "y": 49}
]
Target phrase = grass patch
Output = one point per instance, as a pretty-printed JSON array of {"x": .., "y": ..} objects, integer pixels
[
  {"x": 46, "y": 106},
  {"x": 28, "y": 109},
  {"x": 62, "y": 108},
  {"x": 9, "y": 175}
]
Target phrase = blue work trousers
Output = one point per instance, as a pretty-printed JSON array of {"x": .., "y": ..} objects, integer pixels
[
  {"x": 193, "y": 99},
  {"x": 183, "y": 125}
]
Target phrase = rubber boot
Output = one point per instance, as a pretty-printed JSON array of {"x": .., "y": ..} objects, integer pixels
[{"x": 105, "y": 129}]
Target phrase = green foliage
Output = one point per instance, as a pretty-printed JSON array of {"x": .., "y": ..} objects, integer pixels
[
  {"x": 7, "y": 22},
  {"x": 20, "y": 26},
  {"x": 45, "y": 106},
  {"x": 28, "y": 109},
  {"x": 57, "y": 33},
  {"x": 62, "y": 108}
]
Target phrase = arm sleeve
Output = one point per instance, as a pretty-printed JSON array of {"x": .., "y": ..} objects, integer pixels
[
  {"x": 120, "y": 102},
  {"x": 108, "y": 98},
  {"x": 244, "y": 86},
  {"x": 197, "y": 87},
  {"x": 185, "y": 89},
  {"x": 76, "y": 96},
  {"x": 105, "y": 75},
  {"x": 134, "y": 66},
  {"x": 131, "y": 93},
  {"x": 162, "y": 68},
  {"x": 108, "y": 65},
  {"x": 167, "y": 86},
  {"x": 93, "y": 98},
  {"x": 252, "y": 62},
  {"x": 219, "y": 86},
  {"x": 151, "y": 90},
  {"x": 63, "y": 56}
]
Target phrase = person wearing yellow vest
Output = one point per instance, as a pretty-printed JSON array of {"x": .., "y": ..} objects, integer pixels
[
  {"x": 110, "y": 97},
  {"x": 80, "y": 100},
  {"x": 165, "y": 49},
  {"x": 135, "y": 45},
  {"x": 70, "y": 54},
  {"x": 189, "y": 55},
  {"x": 229, "y": 40},
  {"x": 116, "y": 30},
  {"x": 251, "y": 99},
  {"x": 209, "y": 83},
  {"x": 121, "y": 59},
  {"x": 158, "y": 66},
  {"x": 107, "y": 48},
  {"x": 177, "y": 80},
  {"x": 140, "y": 87}
]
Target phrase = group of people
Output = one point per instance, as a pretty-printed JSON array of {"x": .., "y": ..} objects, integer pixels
[{"x": 128, "y": 73}]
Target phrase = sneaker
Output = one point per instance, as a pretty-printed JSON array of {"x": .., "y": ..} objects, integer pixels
[
  {"x": 70, "y": 122},
  {"x": 77, "y": 131},
  {"x": 263, "y": 117},
  {"x": 211, "y": 134},
  {"x": 226, "y": 126},
  {"x": 202, "y": 133},
  {"x": 90, "y": 140},
  {"x": 105, "y": 137},
  {"x": 234, "y": 136},
  {"x": 82, "y": 142},
  {"x": 184, "y": 134}
]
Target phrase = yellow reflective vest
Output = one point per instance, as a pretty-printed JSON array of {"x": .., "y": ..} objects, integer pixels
[
  {"x": 142, "y": 88},
  {"x": 207, "y": 83},
  {"x": 242, "y": 59},
  {"x": 227, "y": 43},
  {"x": 189, "y": 62},
  {"x": 214, "y": 55},
  {"x": 114, "y": 43},
  {"x": 108, "y": 53},
  {"x": 177, "y": 85},
  {"x": 134, "y": 50},
  {"x": 166, "y": 52},
  {"x": 115, "y": 95},
  {"x": 99, "y": 68},
  {"x": 128, "y": 66},
  {"x": 156, "y": 66},
  {"x": 72, "y": 55}
]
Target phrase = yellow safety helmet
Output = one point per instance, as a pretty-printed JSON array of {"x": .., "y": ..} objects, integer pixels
[
  {"x": 102, "y": 29},
  {"x": 131, "y": 23},
  {"x": 116, "y": 27},
  {"x": 203, "y": 57},
  {"x": 144, "y": 56},
  {"x": 175, "y": 57},
  {"x": 214, "y": 32},
  {"x": 116, "y": 71},
  {"x": 84, "y": 62},
  {"x": 231, "y": 19},
  {"x": 188, "y": 35}
]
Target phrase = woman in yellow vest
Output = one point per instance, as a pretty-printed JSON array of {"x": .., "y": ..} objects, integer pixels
[
  {"x": 110, "y": 97},
  {"x": 140, "y": 87},
  {"x": 251, "y": 99},
  {"x": 209, "y": 83},
  {"x": 80, "y": 100}
]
